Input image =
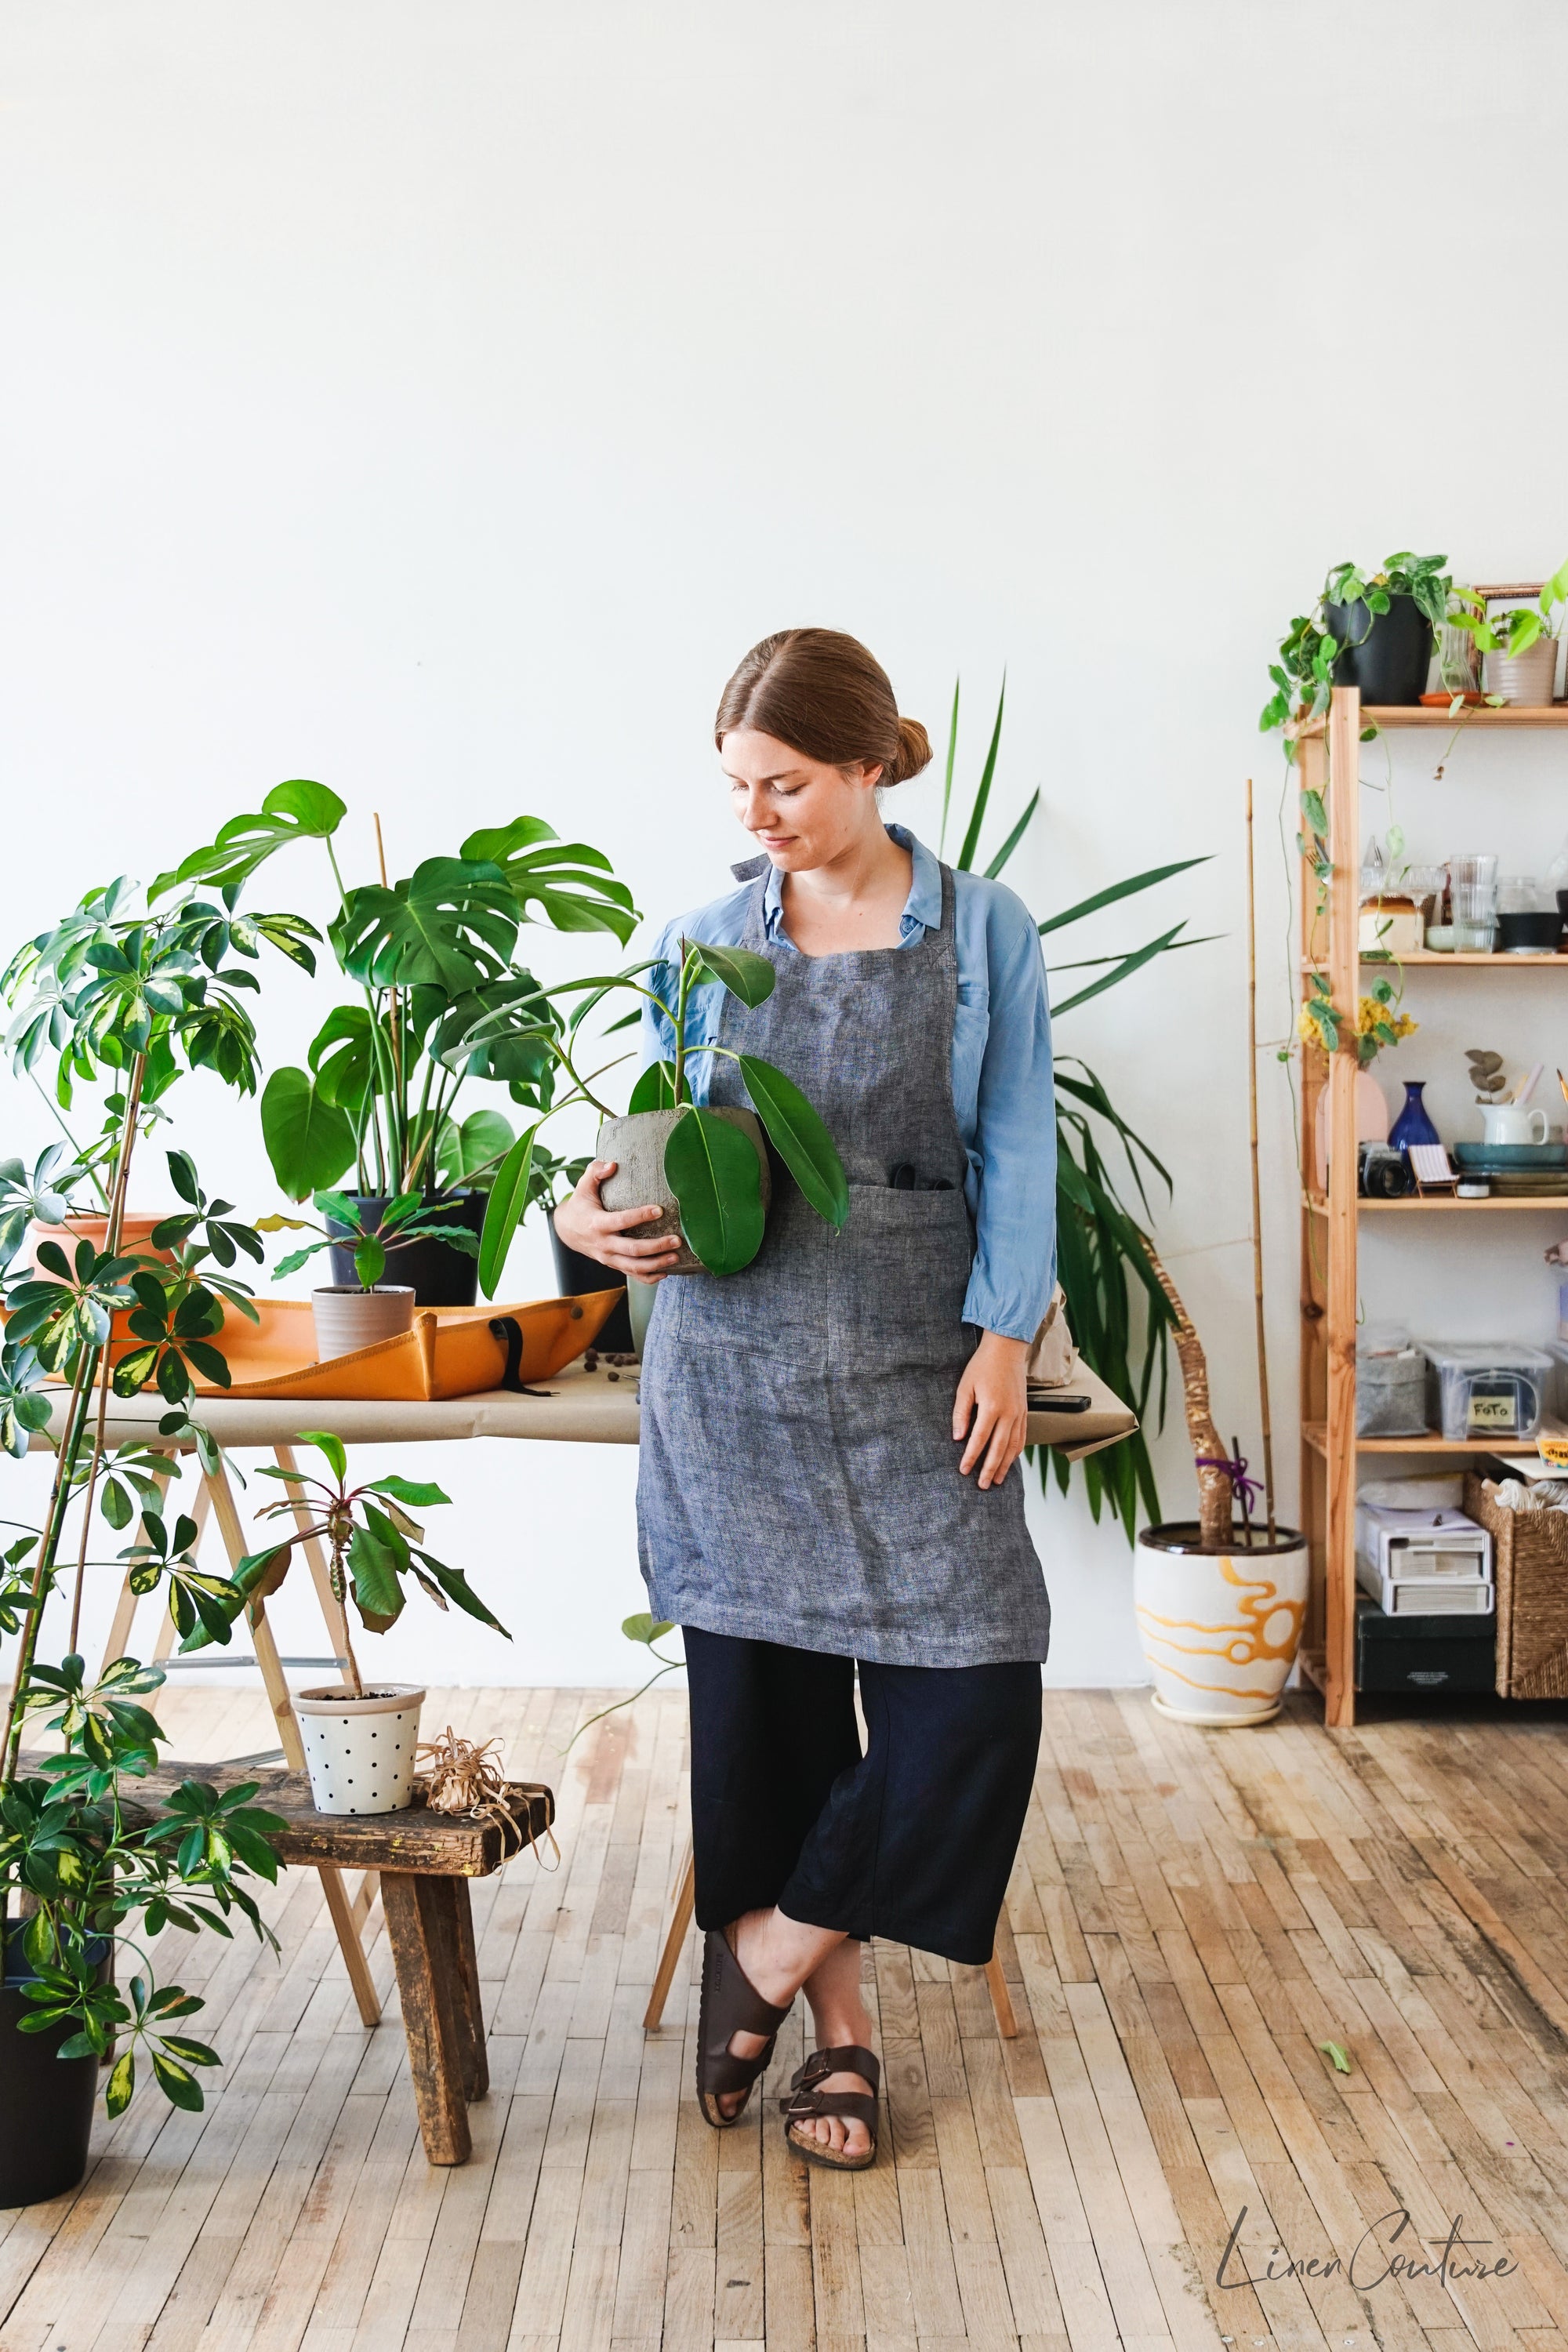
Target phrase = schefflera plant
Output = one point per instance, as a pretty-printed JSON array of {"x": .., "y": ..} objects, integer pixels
[{"x": 710, "y": 1165}]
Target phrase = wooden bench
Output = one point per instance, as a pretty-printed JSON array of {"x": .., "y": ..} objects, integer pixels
[{"x": 423, "y": 1860}]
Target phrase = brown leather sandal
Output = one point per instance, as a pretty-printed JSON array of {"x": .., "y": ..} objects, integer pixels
[
  {"x": 805, "y": 2103},
  {"x": 730, "y": 2004}
]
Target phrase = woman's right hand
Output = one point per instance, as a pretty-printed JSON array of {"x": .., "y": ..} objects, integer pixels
[{"x": 584, "y": 1224}]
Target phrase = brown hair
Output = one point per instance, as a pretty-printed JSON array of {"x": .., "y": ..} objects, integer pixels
[{"x": 824, "y": 695}]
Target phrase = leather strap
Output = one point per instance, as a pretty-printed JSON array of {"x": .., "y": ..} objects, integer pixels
[{"x": 807, "y": 2101}]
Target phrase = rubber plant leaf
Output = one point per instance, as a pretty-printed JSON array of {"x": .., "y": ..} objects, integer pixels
[
  {"x": 509, "y": 1198},
  {"x": 750, "y": 977},
  {"x": 713, "y": 1170},
  {"x": 800, "y": 1138},
  {"x": 655, "y": 1089},
  {"x": 296, "y": 811},
  {"x": 309, "y": 1140}
]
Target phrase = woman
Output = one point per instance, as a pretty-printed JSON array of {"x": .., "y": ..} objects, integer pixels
[{"x": 828, "y": 1438}]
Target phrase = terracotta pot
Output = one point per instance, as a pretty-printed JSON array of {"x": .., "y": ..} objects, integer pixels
[
  {"x": 347, "y": 1319},
  {"x": 1220, "y": 1630},
  {"x": 1526, "y": 677},
  {"x": 135, "y": 1232},
  {"x": 1370, "y": 1121},
  {"x": 359, "y": 1752},
  {"x": 636, "y": 1144}
]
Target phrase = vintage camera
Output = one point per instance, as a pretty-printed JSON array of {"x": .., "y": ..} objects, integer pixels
[{"x": 1382, "y": 1174}]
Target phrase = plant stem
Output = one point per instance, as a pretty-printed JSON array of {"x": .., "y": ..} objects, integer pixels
[
  {"x": 681, "y": 994},
  {"x": 1215, "y": 1494},
  {"x": 112, "y": 1245},
  {"x": 42, "y": 1572}
]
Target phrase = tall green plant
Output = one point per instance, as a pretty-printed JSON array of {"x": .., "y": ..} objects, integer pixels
[
  {"x": 116, "y": 994},
  {"x": 430, "y": 955},
  {"x": 1103, "y": 1267}
]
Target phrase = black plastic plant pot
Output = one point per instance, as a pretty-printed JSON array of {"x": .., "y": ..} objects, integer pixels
[
  {"x": 1187, "y": 1536},
  {"x": 1387, "y": 655},
  {"x": 45, "y": 2101},
  {"x": 440, "y": 1274},
  {"x": 575, "y": 1276}
]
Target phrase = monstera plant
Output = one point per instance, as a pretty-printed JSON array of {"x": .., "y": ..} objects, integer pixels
[{"x": 429, "y": 959}]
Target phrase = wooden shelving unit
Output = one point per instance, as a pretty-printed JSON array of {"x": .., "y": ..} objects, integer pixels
[{"x": 1330, "y": 1223}]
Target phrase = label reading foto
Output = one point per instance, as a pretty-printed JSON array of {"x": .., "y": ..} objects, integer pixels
[{"x": 1492, "y": 1415}]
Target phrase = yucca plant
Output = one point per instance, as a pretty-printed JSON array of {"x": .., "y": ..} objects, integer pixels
[{"x": 1104, "y": 1255}]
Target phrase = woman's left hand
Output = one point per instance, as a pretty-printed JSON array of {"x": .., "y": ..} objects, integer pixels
[{"x": 992, "y": 1407}]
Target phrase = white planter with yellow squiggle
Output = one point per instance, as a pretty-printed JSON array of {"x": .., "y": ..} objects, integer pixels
[{"x": 1220, "y": 1630}]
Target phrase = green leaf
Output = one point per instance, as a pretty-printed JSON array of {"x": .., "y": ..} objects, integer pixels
[
  {"x": 1014, "y": 838},
  {"x": 296, "y": 811},
  {"x": 965, "y": 859},
  {"x": 122, "y": 2084},
  {"x": 1123, "y": 970},
  {"x": 508, "y": 1199},
  {"x": 326, "y": 1442},
  {"x": 456, "y": 1585},
  {"x": 1338, "y": 2054},
  {"x": 419, "y": 1494},
  {"x": 714, "y": 1172},
  {"x": 646, "y": 1629},
  {"x": 947, "y": 777},
  {"x": 1118, "y": 890},
  {"x": 309, "y": 1140},
  {"x": 484, "y": 1138},
  {"x": 655, "y": 1089},
  {"x": 376, "y": 1554},
  {"x": 571, "y": 884},
  {"x": 747, "y": 976},
  {"x": 1316, "y": 814},
  {"x": 800, "y": 1138},
  {"x": 370, "y": 1263},
  {"x": 452, "y": 925},
  {"x": 180, "y": 2088}
]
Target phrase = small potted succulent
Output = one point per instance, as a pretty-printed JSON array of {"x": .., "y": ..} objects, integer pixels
[
  {"x": 1519, "y": 648},
  {"x": 350, "y": 1314},
  {"x": 708, "y": 1170},
  {"x": 359, "y": 1740}
]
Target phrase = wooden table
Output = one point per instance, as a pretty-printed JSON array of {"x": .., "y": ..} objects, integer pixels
[{"x": 425, "y": 1862}]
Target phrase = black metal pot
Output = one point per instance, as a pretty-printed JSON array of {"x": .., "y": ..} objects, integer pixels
[
  {"x": 1387, "y": 655},
  {"x": 45, "y": 2101},
  {"x": 441, "y": 1276},
  {"x": 576, "y": 1274}
]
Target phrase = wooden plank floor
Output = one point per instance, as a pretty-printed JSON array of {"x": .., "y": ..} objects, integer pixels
[{"x": 1192, "y": 1917}]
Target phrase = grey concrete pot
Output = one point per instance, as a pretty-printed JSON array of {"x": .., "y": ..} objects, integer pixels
[{"x": 636, "y": 1144}]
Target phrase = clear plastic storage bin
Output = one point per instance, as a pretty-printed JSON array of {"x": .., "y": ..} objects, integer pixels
[{"x": 1486, "y": 1389}]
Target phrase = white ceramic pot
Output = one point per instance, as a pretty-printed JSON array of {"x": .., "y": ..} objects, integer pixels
[
  {"x": 360, "y": 1752},
  {"x": 347, "y": 1317},
  {"x": 1220, "y": 1630},
  {"x": 1526, "y": 677}
]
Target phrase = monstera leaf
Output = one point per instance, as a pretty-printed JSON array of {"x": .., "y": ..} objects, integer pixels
[
  {"x": 297, "y": 811},
  {"x": 573, "y": 885},
  {"x": 452, "y": 925},
  {"x": 309, "y": 1140}
]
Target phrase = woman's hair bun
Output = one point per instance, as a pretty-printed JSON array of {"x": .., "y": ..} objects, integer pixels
[{"x": 913, "y": 752}]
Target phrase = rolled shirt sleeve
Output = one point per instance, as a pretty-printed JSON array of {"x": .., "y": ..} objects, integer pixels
[{"x": 1013, "y": 1152}]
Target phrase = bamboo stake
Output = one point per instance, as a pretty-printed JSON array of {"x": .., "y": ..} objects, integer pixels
[
  {"x": 401, "y": 1179},
  {"x": 1256, "y": 1189}
]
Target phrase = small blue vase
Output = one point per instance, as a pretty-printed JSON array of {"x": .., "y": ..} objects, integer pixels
[{"x": 1412, "y": 1125}]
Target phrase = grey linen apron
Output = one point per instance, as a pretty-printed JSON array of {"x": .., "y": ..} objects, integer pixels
[{"x": 799, "y": 1479}]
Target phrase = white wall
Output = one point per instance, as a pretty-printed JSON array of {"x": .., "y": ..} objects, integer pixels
[{"x": 437, "y": 401}]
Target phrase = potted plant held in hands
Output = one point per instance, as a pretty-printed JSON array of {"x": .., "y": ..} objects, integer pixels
[
  {"x": 350, "y": 1315},
  {"x": 707, "y": 1169},
  {"x": 359, "y": 1740}
]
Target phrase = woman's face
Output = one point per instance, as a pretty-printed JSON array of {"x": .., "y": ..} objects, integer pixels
[{"x": 803, "y": 813}]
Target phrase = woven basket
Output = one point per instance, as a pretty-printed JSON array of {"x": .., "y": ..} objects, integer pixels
[{"x": 1530, "y": 1550}]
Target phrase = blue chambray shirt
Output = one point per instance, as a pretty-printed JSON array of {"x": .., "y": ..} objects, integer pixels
[{"x": 1002, "y": 1090}]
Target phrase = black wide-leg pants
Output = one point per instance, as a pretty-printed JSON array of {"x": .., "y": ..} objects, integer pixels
[{"x": 912, "y": 1841}]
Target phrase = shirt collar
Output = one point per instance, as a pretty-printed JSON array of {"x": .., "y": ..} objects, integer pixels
[{"x": 923, "y": 908}]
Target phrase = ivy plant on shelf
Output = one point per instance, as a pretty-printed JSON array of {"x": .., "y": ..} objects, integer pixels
[{"x": 120, "y": 996}]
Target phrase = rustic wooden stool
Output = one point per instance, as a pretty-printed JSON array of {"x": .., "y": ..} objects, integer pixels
[{"x": 425, "y": 1861}]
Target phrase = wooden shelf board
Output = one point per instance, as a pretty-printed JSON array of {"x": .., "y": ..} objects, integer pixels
[
  {"x": 1417, "y": 714},
  {"x": 1482, "y": 962},
  {"x": 1554, "y": 1204},
  {"x": 1317, "y": 1436}
]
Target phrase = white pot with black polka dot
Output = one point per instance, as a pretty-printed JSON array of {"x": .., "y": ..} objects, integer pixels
[{"x": 360, "y": 1752}]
